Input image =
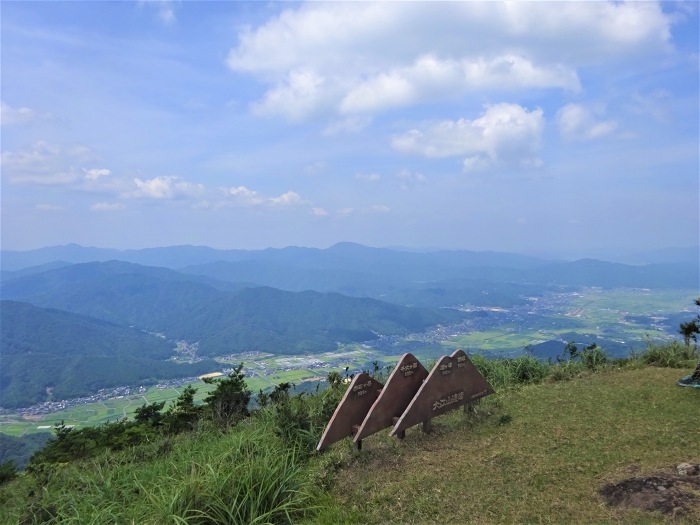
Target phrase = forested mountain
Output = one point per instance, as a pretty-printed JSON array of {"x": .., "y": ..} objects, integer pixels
[
  {"x": 81, "y": 332},
  {"x": 287, "y": 301},
  {"x": 288, "y": 323},
  {"x": 51, "y": 355},
  {"x": 164, "y": 301},
  {"x": 116, "y": 291}
]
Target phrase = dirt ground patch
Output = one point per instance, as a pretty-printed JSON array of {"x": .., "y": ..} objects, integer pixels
[{"x": 674, "y": 493}]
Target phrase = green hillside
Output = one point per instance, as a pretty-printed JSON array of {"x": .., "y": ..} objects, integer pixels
[
  {"x": 282, "y": 322},
  {"x": 53, "y": 355},
  {"x": 224, "y": 319}
]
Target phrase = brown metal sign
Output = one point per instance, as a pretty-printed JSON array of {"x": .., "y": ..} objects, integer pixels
[
  {"x": 453, "y": 382},
  {"x": 359, "y": 397},
  {"x": 402, "y": 385}
]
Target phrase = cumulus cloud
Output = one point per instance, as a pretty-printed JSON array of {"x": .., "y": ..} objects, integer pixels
[
  {"x": 166, "y": 187},
  {"x": 10, "y": 116},
  {"x": 505, "y": 133},
  {"x": 431, "y": 78},
  {"x": 246, "y": 197},
  {"x": 351, "y": 58},
  {"x": 96, "y": 173},
  {"x": 44, "y": 164},
  {"x": 301, "y": 94},
  {"x": 576, "y": 122},
  {"x": 286, "y": 199}
]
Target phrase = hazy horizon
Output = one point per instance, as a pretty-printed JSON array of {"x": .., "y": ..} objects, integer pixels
[
  {"x": 562, "y": 129},
  {"x": 630, "y": 257}
]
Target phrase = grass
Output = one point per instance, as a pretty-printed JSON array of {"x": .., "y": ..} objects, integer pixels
[
  {"x": 536, "y": 454},
  {"x": 245, "y": 476}
]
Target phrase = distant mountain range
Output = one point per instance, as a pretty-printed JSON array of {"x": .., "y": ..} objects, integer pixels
[
  {"x": 81, "y": 320},
  {"x": 340, "y": 256},
  {"x": 381, "y": 273}
]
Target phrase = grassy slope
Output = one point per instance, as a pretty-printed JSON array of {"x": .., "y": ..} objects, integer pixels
[
  {"x": 537, "y": 454},
  {"x": 564, "y": 442}
]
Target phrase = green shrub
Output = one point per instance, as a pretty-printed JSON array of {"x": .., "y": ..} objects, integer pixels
[
  {"x": 502, "y": 373},
  {"x": 527, "y": 369},
  {"x": 593, "y": 357},
  {"x": 672, "y": 354},
  {"x": 8, "y": 471},
  {"x": 566, "y": 370}
]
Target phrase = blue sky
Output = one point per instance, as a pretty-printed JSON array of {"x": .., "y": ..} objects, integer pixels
[{"x": 561, "y": 128}]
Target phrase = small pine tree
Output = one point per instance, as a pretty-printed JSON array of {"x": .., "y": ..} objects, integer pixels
[
  {"x": 691, "y": 329},
  {"x": 8, "y": 471},
  {"x": 227, "y": 404}
]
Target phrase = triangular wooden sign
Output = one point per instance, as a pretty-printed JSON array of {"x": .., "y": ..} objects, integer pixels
[
  {"x": 359, "y": 397},
  {"x": 400, "y": 388},
  {"x": 454, "y": 381}
]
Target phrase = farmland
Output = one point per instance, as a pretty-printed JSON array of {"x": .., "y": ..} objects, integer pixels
[{"x": 619, "y": 320}]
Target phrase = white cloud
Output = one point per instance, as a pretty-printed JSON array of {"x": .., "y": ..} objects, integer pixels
[
  {"x": 319, "y": 212},
  {"x": 356, "y": 57},
  {"x": 430, "y": 78},
  {"x": 166, "y": 187},
  {"x": 96, "y": 173},
  {"x": 243, "y": 195},
  {"x": 297, "y": 97},
  {"x": 44, "y": 164},
  {"x": 576, "y": 122},
  {"x": 10, "y": 116},
  {"x": 247, "y": 197},
  {"x": 107, "y": 206},
  {"x": 505, "y": 133},
  {"x": 286, "y": 199}
]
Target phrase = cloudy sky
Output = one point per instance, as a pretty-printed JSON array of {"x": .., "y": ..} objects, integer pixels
[{"x": 550, "y": 128}]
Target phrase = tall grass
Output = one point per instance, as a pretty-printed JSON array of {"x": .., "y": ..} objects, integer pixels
[
  {"x": 501, "y": 373},
  {"x": 673, "y": 354},
  {"x": 247, "y": 475}
]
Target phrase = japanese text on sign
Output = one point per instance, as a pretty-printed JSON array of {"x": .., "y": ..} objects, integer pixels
[
  {"x": 409, "y": 369},
  {"x": 453, "y": 398},
  {"x": 361, "y": 389}
]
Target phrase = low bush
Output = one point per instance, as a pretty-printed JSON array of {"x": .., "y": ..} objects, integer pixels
[{"x": 673, "y": 354}]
